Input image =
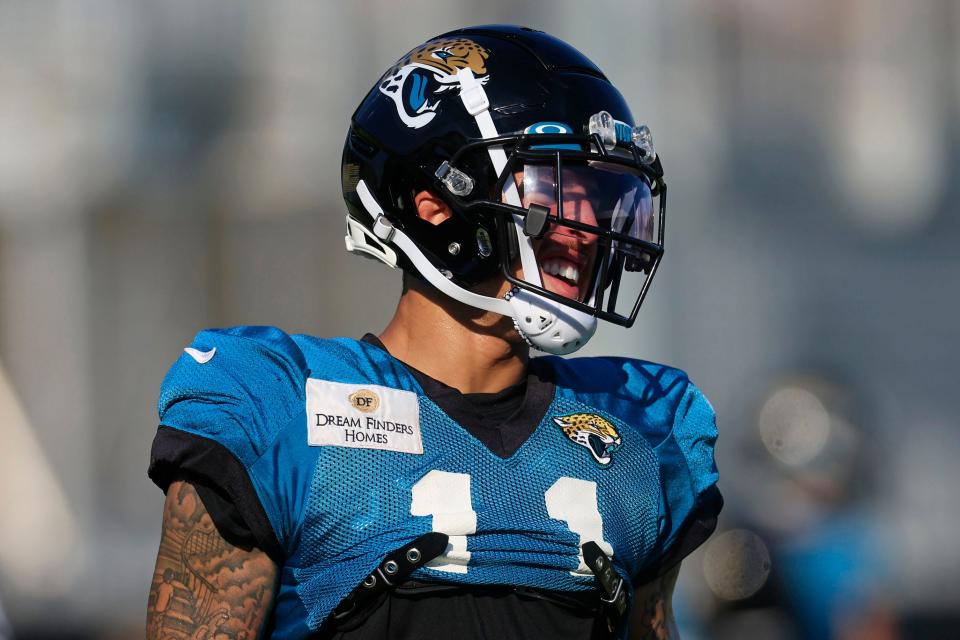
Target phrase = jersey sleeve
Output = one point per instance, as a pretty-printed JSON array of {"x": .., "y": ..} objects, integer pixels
[
  {"x": 223, "y": 405},
  {"x": 690, "y": 500}
]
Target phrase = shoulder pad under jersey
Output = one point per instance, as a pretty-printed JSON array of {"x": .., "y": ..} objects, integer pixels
[{"x": 237, "y": 386}]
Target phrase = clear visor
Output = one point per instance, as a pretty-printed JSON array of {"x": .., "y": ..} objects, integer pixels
[{"x": 595, "y": 247}]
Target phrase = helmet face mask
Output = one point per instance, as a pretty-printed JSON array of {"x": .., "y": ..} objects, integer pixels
[
  {"x": 601, "y": 237},
  {"x": 574, "y": 221}
]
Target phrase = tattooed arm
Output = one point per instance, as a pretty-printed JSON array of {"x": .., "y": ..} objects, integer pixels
[
  {"x": 652, "y": 614},
  {"x": 203, "y": 586}
]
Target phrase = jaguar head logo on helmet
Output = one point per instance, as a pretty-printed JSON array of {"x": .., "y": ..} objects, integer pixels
[
  {"x": 549, "y": 183},
  {"x": 419, "y": 82}
]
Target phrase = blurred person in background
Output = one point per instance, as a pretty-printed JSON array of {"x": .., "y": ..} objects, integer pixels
[
  {"x": 807, "y": 558},
  {"x": 436, "y": 481},
  {"x": 833, "y": 558}
]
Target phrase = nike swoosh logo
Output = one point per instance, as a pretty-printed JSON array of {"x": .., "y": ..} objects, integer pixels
[{"x": 202, "y": 357}]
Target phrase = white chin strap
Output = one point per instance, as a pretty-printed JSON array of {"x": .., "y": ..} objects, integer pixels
[{"x": 546, "y": 325}]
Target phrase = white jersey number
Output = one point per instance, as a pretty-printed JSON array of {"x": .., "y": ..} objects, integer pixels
[
  {"x": 446, "y": 497},
  {"x": 575, "y": 502}
]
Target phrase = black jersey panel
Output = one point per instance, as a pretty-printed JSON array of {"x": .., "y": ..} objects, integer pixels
[
  {"x": 492, "y": 613},
  {"x": 223, "y": 485},
  {"x": 694, "y": 532}
]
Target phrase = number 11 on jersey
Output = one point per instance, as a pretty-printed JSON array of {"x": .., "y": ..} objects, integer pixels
[{"x": 446, "y": 497}]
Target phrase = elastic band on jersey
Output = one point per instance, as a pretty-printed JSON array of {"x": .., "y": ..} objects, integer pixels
[
  {"x": 613, "y": 594},
  {"x": 394, "y": 569}
]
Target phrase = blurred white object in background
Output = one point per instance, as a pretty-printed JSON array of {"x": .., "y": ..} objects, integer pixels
[
  {"x": 891, "y": 137},
  {"x": 794, "y": 425},
  {"x": 39, "y": 550},
  {"x": 736, "y": 564}
]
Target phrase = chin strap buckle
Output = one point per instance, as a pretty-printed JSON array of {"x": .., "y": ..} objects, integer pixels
[
  {"x": 361, "y": 241},
  {"x": 613, "y": 592},
  {"x": 394, "y": 569}
]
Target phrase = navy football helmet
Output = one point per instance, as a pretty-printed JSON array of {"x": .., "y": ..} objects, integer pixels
[{"x": 549, "y": 181}]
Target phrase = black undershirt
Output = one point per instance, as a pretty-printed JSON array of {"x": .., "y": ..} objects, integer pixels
[{"x": 502, "y": 421}]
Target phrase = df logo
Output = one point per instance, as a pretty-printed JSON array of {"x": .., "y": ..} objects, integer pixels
[{"x": 364, "y": 400}]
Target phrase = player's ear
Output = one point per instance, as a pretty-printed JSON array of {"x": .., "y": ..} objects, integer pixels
[{"x": 431, "y": 207}]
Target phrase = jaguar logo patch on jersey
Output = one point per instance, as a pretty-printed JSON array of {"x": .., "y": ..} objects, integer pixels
[
  {"x": 420, "y": 81},
  {"x": 596, "y": 434}
]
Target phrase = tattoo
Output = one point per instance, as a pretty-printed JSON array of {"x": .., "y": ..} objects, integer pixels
[
  {"x": 652, "y": 615},
  {"x": 203, "y": 587}
]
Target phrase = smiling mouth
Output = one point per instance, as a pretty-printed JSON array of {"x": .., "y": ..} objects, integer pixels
[
  {"x": 568, "y": 271},
  {"x": 561, "y": 276}
]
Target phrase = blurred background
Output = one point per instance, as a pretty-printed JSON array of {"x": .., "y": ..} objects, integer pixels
[{"x": 170, "y": 166}]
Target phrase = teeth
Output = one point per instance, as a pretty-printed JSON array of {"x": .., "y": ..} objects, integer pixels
[{"x": 563, "y": 269}]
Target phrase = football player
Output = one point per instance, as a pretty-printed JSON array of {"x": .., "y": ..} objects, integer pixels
[{"x": 436, "y": 481}]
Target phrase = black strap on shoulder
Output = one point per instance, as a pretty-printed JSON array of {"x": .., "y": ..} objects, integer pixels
[
  {"x": 613, "y": 593},
  {"x": 394, "y": 569}
]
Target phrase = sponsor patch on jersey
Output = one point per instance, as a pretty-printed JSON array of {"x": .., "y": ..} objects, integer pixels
[
  {"x": 362, "y": 417},
  {"x": 592, "y": 432}
]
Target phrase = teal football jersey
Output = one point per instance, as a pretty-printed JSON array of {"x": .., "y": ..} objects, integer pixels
[{"x": 345, "y": 458}]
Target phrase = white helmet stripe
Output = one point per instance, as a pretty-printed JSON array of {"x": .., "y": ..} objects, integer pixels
[{"x": 476, "y": 103}]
